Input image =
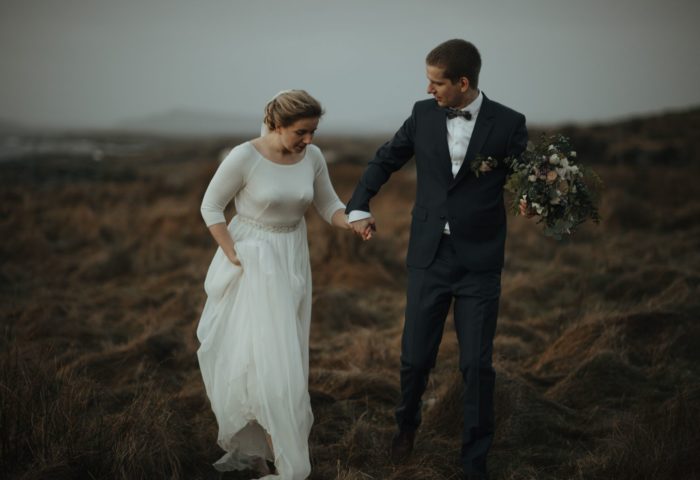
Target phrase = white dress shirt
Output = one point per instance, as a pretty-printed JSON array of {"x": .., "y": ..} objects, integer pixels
[{"x": 459, "y": 133}]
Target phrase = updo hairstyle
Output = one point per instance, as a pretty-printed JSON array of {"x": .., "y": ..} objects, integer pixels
[{"x": 290, "y": 106}]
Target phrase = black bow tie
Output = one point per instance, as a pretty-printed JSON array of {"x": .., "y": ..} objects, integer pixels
[{"x": 454, "y": 113}]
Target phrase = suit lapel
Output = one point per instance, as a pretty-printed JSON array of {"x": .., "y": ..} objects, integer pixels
[{"x": 482, "y": 128}]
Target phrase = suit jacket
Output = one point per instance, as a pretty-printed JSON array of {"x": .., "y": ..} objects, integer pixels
[{"x": 473, "y": 206}]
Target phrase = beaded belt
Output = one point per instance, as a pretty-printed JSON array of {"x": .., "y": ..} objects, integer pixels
[{"x": 267, "y": 227}]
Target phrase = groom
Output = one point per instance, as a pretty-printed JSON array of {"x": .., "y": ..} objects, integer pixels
[{"x": 458, "y": 232}]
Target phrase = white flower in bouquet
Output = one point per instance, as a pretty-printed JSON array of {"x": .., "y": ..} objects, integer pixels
[{"x": 554, "y": 159}]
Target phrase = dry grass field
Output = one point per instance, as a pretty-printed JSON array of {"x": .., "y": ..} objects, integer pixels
[{"x": 597, "y": 350}]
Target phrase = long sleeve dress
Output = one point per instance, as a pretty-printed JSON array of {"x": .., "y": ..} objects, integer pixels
[{"x": 254, "y": 329}]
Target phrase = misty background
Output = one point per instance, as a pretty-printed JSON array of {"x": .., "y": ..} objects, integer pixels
[{"x": 211, "y": 66}]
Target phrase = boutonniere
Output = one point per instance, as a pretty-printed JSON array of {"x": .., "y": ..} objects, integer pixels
[{"x": 482, "y": 164}]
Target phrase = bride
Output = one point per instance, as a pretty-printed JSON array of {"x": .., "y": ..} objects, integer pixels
[{"x": 254, "y": 329}]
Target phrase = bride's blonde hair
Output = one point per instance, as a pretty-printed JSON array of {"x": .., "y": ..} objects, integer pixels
[{"x": 289, "y": 106}]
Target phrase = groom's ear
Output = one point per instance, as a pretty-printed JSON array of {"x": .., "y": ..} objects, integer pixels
[{"x": 463, "y": 84}]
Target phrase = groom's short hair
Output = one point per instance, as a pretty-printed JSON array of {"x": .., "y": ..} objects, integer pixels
[{"x": 458, "y": 58}]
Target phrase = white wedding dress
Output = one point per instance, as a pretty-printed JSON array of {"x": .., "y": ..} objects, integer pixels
[{"x": 254, "y": 329}]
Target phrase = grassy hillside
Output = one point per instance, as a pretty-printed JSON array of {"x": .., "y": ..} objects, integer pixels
[{"x": 101, "y": 286}]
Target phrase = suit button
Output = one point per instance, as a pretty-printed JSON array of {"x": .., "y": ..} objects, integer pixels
[{"x": 442, "y": 217}]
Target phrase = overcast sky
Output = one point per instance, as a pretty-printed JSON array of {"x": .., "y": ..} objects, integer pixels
[{"x": 95, "y": 63}]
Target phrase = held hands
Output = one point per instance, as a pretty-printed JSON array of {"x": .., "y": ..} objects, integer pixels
[{"x": 364, "y": 228}]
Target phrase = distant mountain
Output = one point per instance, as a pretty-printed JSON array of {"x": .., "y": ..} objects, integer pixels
[{"x": 192, "y": 123}]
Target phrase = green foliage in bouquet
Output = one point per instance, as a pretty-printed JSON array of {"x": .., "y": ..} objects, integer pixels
[{"x": 551, "y": 184}]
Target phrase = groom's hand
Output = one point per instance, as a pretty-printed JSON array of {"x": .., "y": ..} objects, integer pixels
[
  {"x": 525, "y": 211},
  {"x": 364, "y": 227}
]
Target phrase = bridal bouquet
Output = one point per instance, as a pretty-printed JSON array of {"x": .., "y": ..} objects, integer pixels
[{"x": 547, "y": 180}]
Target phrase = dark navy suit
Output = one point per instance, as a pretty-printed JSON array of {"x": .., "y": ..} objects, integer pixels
[{"x": 464, "y": 266}]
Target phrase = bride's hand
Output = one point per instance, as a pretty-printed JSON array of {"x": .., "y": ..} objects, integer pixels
[{"x": 234, "y": 259}]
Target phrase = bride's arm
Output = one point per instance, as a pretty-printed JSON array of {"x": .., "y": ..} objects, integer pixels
[
  {"x": 225, "y": 184},
  {"x": 339, "y": 219},
  {"x": 326, "y": 201},
  {"x": 223, "y": 238}
]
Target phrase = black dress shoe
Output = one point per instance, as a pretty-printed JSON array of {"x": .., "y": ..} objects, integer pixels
[{"x": 402, "y": 446}]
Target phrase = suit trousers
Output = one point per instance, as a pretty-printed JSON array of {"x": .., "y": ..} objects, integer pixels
[{"x": 429, "y": 296}]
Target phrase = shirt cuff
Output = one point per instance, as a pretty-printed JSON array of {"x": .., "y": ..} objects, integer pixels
[{"x": 357, "y": 215}]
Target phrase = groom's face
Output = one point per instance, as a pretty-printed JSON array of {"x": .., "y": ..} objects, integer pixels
[{"x": 446, "y": 93}]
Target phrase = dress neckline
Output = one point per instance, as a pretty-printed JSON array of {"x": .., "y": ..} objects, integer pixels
[{"x": 277, "y": 163}]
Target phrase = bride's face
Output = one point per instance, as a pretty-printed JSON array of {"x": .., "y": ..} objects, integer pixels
[{"x": 298, "y": 135}]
